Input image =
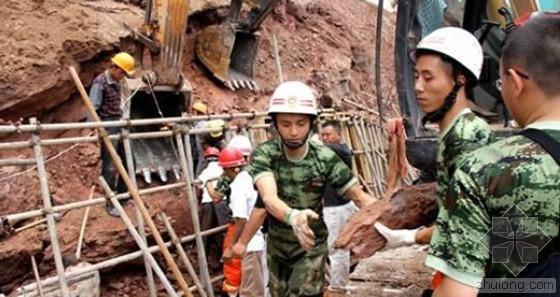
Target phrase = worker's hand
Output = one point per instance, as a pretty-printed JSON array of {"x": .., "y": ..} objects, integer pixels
[
  {"x": 298, "y": 219},
  {"x": 227, "y": 255},
  {"x": 396, "y": 238},
  {"x": 239, "y": 249}
]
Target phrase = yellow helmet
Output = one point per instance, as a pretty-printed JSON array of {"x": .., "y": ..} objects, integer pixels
[
  {"x": 200, "y": 106},
  {"x": 125, "y": 62},
  {"x": 215, "y": 124}
]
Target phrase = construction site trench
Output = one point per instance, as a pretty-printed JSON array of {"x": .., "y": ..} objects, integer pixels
[{"x": 327, "y": 44}]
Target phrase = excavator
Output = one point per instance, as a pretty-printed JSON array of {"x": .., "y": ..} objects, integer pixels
[
  {"x": 490, "y": 21},
  {"x": 227, "y": 50}
]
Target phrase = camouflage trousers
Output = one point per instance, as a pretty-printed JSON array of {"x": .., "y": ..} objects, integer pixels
[{"x": 299, "y": 276}]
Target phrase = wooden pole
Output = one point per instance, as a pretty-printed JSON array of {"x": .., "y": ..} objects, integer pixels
[
  {"x": 83, "y": 228},
  {"x": 125, "y": 131},
  {"x": 37, "y": 276},
  {"x": 185, "y": 160},
  {"x": 182, "y": 255},
  {"x": 47, "y": 206},
  {"x": 131, "y": 187},
  {"x": 139, "y": 241}
]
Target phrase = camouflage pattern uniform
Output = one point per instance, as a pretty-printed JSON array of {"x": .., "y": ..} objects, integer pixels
[
  {"x": 300, "y": 184},
  {"x": 514, "y": 173},
  {"x": 464, "y": 134}
]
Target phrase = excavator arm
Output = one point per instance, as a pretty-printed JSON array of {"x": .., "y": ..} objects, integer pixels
[{"x": 228, "y": 50}]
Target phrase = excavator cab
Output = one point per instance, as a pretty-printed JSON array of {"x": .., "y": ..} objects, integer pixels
[
  {"x": 228, "y": 50},
  {"x": 490, "y": 21}
]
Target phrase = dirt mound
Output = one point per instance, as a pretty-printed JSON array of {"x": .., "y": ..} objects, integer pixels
[{"x": 329, "y": 44}]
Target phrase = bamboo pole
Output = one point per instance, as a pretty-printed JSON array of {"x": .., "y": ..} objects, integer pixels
[
  {"x": 139, "y": 220},
  {"x": 47, "y": 205},
  {"x": 182, "y": 255},
  {"x": 37, "y": 276},
  {"x": 131, "y": 187},
  {"x": 83, "y": 227},
  {"x": 81, "y": 204},
  {"x": 185, "y": 160},
  {"x": 116, "y": 261},
  {"x": 141, "y": 244},
  {"x": 137, "y": 122}
]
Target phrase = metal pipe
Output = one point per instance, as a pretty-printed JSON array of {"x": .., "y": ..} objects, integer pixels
[
  {"x": 80, "y": 204},
  {"x": 185, "y": 158},
  {"x": 182, "y": 255},
  {"x": 116, "y": 261},
  {"x": 141, "y": 244},
  {"x": 47, "y": 205}
]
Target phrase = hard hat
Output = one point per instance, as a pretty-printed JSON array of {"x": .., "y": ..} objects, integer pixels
[
  {"x": 211, "y": 152},
  {"x": 231, "y": 157},
  {"x": 242, "y": 143},
  {"x": 216, "y": 124},
  {"x": 458, "y": 44},
  {"x": 124, "y": 61},
  {"x": 293, "y": 97},
  {"x": 200, "y": 106}
]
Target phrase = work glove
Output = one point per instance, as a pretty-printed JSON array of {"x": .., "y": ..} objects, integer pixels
[
  {"x": 298, "y": 219},
  {"x": 396, "y": 238}
]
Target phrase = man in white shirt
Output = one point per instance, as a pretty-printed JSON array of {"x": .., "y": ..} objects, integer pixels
[{"x": 242, "y": 199}]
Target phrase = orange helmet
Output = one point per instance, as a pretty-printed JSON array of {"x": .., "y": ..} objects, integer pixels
[{"x": 231, "y": 157}]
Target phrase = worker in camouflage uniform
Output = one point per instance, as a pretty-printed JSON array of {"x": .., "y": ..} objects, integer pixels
[
  {"x": 448, "y": 61},
  {"x": 290, "y": 174},
  {"x": 513, "y": 181}
]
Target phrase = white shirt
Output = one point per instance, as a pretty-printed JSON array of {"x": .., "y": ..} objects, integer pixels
[
  {"x": 212, "y": 172},
  {"x": 242, "y": 200}
]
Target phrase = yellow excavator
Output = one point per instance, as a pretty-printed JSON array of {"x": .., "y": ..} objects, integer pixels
[{"x": 228, "y": 50}]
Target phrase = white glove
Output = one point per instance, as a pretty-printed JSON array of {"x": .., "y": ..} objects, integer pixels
[
  {"x": 298, "y": 220},
  {"x": 396, "y": 238}
]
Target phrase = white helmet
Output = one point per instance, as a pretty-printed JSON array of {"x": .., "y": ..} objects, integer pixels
[
  {"x": 458, "y": 44},
  {"x": 242, "y": 143},
  {"x": 293, "y": 97}
]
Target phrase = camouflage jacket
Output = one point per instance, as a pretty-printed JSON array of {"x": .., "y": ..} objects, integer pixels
[
  {"x": 464, "y": 134},
  {"x": 300, "y": 184},
  {"x": 503, "y": 209}
]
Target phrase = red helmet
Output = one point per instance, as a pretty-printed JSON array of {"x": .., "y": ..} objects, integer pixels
[
  {"x": 231, "y": 157},
  {"x": 211, "y": 152}
]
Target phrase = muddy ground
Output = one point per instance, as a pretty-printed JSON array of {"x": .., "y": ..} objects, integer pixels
[{"x": 328, "y": 44}]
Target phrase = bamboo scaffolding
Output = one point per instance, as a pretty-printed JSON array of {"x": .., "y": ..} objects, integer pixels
[
  {"x": 182, "y": 255},
  {"x": 139, "y": 240},
  {"x": 116, "y": 261},
  {"x": 81, "y": 204},
  {"x": 37, "y": 276},
  {"x": 185, "y": 160},
  {"x": 47, "y": 206},
  {"x": 139, "y": 220},
  {"x": 131, "y": 187}
]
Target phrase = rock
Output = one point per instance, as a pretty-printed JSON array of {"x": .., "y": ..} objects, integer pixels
[
  {"x": 408, "y": 208},
  {"x": 45, "y": 39}
]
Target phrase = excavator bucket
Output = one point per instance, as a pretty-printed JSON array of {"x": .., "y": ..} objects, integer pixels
[
  {"x": 229, "y": 54},
  {"x": 156, "y": 156}
]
